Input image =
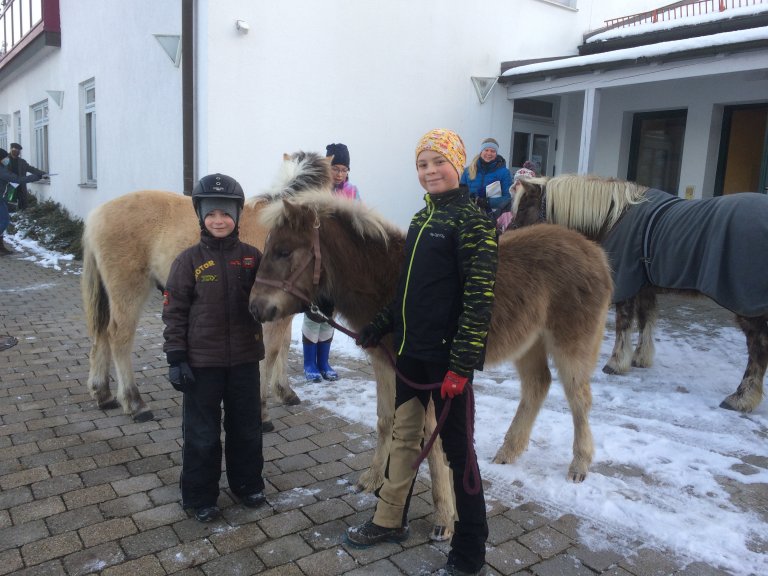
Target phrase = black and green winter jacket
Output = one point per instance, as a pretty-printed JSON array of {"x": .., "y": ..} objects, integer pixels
[{"x": 443, "y": 305}]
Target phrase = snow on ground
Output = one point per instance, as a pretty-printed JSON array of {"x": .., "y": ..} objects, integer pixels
[
  {"x": 667, "y": 458},
  {"x": 41, "y": 256},
  {"x": 672, "y": 470}
]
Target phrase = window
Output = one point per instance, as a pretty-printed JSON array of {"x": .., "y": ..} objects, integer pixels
[
  {"x": 88, "y": 131},
  {"x": 656, "y": 149},
  {"x": 17, "y": 126},
  {"x": 3, "y": 134},
  {"x": 568, "y": 3},
  {"x": 40, "y": 134}
]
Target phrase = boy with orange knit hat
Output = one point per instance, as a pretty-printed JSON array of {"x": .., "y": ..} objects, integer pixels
[{"x": 450, "y": 263}]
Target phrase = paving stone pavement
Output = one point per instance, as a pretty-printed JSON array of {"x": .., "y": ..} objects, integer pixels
[{"x": 89, "y": 491}]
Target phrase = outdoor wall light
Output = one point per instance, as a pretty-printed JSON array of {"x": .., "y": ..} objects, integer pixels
[{"x": 242, "y": 26}]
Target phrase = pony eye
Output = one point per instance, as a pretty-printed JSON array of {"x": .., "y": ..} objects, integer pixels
[{"x": 282, "y": 253}]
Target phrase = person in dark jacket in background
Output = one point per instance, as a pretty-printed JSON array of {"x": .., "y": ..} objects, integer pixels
[
  {"x": 489, "y": 179},
  {"x": 213, "y": 345},
  {"x": 9, "y": 183},
  {"x": 21, "y": 167},
  {"x": 440, "y": 319}
]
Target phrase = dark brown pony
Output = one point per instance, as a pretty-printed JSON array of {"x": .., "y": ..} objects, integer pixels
[
  {"x": 660, "y": 243},
  {"x": 552, "y": 294}
]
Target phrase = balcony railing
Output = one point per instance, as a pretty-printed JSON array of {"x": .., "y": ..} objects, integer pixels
[
  {"x": 676, "y": 11},
  {"x": 21, "y": 20},
  {"x": 679, "y": 10}
]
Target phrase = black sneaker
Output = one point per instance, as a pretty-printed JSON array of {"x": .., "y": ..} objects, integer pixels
[
  {"x": 452, "y": 570},
  {"x": 207, "y": 513},
  {"x": 369, "y": 534},
  {"x": 253, "y": 500}
]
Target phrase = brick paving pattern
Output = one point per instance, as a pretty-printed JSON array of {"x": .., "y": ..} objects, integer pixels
[{"x": 87, "y": 491}]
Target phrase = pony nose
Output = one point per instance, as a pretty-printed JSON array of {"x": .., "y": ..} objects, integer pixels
[{"x": 262, "y": 312}]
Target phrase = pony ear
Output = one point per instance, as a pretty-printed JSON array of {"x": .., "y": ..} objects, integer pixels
[
  {"x": 328, "y": 160},
  {"x": 292, "y": 213},
  {"x": 286, "y": 157}
]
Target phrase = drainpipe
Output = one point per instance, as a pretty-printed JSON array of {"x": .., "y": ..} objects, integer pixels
[{"x": 188, "y": 93}]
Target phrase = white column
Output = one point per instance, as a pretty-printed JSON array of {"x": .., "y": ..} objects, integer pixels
[{"x": 588, "y": 129}]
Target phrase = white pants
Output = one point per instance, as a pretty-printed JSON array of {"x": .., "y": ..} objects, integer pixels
[{"x": 316, "y": 331}]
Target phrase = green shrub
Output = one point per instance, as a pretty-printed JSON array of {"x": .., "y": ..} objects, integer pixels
[{"x": 50, "y": 225}]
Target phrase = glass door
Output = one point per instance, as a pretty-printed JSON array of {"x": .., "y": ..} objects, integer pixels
[
  {"x": 656, "y": 149},
  {"x": 534, "y": 142},
  {"x": 743, "y": 160}
]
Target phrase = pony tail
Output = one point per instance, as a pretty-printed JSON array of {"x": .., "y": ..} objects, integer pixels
[
  {"x": 473, "y": 167},
  {"x": 95, "y": 301}
]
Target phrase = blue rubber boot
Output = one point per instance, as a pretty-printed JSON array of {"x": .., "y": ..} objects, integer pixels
[
  {"x": 311, "y": 373},
  {"x": 323, "y": 351}
]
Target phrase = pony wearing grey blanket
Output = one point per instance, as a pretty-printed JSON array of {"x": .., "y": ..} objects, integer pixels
[{"x": 657, "y": 242}]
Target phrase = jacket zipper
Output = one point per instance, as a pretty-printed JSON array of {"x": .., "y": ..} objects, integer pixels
[
  {"x": 225, "y": 275},
  {"x": 431, "y": 208}
]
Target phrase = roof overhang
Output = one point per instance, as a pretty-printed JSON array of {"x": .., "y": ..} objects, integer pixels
[{"x": 716, "y": 46}]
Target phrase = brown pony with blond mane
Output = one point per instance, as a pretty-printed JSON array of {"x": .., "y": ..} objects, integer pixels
[
  {"x": 129, "y": 245},
  {"x": 658, "y": 243},
  {"x": 552, "y": 294}
]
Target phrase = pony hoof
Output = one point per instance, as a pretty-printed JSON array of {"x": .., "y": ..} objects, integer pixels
[
  {"x": 576, "y": 478},
  {"x": 738, "y": 403},
  {"x": 145, "y": 416},
  {"x": 728, "y": 406},
  {"x": 358, "y": 488},
  {"x": 608, "y": 370},
  {"x": 267, "y": 426},
  {"x": 292, "y": 400},
  {"x": 440, "y": 533},
  {"x": 109, "y": 404},
  {"x": 724, "y": 404}
]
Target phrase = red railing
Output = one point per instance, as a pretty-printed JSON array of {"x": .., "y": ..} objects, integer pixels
[
  {"x": 19, "y": 18},
  {"x": 677, "y": 11}
]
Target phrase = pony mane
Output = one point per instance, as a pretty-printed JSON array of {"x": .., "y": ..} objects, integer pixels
[
  {"x": 300, "y": 172},
  {"x": 365, "y": 221},
  {"x": 590, "y": 203}
]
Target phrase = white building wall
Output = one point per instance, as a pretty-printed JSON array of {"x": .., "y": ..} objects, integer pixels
[
  {"x": 138, "y": 100},
  {"x": 372, "y": 75}
]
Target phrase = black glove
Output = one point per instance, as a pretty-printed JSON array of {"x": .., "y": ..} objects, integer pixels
[
  {"x": 181, "y": 376},
  {"x": 369, "y": 337},
  {"x": 36, "y": 177}
]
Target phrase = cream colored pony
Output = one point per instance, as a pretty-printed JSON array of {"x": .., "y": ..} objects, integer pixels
[{"x": 129, "y": 245}]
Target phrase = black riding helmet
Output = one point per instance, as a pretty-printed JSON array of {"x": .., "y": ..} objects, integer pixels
[{"x": 218, "y": 191}]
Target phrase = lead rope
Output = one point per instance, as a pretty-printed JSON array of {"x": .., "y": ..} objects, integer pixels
[{"x": 471, "y": 479}]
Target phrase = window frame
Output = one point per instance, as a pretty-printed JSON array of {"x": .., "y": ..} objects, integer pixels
[
  {"x": 569, "y": 4},
  {"x": 17, "y": 126},
  {"x": 40, "y": 133},
  {"x": 3, "y": 134},
  {"x": 88, "y": 142},
  {"x": 655, "y": 160}
]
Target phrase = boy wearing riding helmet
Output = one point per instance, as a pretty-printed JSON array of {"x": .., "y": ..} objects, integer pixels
[
  {"x": 440, "y": 318},
  {"x": 213, "y": 346}
]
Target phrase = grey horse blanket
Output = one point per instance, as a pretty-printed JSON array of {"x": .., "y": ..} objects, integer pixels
[{"x": 718, "y": 246}]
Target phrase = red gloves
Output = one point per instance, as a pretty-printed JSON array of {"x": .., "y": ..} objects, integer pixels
[{"x": 453, "y": 385}]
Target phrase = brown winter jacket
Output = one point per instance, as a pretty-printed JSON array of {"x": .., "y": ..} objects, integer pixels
[{"x": 205, "y": 311}]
